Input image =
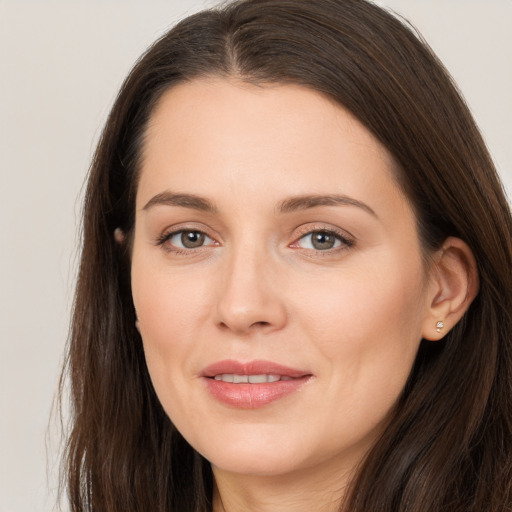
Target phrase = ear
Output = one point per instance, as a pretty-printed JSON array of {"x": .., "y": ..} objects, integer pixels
[{"x": 452, "y": 287}]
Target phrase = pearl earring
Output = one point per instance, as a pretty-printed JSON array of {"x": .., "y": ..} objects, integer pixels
[
  {"x": 118, "y": 235},
  {"x": 439, "y": 326}
]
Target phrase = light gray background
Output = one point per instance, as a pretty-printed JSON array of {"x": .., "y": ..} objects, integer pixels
[{"x": 61, "y": 66}]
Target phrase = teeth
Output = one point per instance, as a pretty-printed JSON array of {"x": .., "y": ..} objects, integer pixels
[
  {"x": 257, "y": 379},
  {"x": 252, "y": 379}
]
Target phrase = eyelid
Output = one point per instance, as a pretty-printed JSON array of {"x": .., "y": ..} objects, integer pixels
[
  {"x": 347, "y": 239},
  {"x": 172, "y": 231}
]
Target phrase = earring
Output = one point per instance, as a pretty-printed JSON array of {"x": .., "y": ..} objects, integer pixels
[
  {"x": 439, "y": 326},
  {"x": 137, "y": 323},
  {"x": 118, "y": 235}
]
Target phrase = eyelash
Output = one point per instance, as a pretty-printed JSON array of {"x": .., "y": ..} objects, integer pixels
[
  {"x": 346, "y": 242},
  {"x": 166, "y": 237}
]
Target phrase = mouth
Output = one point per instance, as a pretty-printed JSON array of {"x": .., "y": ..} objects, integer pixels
[
  {"x": 250, "y": 379},
  {"x": 252, "y": 385}
]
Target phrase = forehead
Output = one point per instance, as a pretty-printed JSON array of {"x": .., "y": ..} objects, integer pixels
[{"x": 214, "y": 134}]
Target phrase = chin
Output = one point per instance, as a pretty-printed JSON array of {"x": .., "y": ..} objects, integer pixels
[
  {"x": 262, "y": 465},
  {"x": 252, "y": 454}
]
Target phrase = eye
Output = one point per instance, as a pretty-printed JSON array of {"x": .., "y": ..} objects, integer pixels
[
  {"x": 322, "y": 240},
  {"x": 187, "y": 239}
]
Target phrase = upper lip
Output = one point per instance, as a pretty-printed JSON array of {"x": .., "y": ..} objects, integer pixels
[{"x": 258, "y": 367}]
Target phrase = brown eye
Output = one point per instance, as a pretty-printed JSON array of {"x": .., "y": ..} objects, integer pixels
[
  {"x": 186, "y": 239},
  {"x": 192, "y": 239},
  {"x": 322, "y": 241}
]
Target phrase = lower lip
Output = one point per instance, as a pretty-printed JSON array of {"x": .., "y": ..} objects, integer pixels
[{"x": 252, "y": 396}]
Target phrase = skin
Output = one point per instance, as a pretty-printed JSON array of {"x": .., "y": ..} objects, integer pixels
[{"x": 351, "y": 316}]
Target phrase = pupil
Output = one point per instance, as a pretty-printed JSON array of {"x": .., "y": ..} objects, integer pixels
[
  {"x": 322, "y": 240},
  {"x": 191, "y": 239}
]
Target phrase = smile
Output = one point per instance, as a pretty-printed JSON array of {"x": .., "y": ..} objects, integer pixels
[
  {"x": 253, "y": 384},
  {"x": 250, "y": 379}
]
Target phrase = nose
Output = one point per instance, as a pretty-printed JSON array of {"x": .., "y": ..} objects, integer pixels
[{"x": 250, "y": 296}]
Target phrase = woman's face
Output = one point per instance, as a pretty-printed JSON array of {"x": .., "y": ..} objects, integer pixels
[{"x": 277, "y": 276}]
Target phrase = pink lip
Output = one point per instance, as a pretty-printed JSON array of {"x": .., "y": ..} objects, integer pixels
[{"x": 252, "y": 396}]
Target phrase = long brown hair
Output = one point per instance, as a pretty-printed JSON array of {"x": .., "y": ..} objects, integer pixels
[{"x": 448, "y": 446}]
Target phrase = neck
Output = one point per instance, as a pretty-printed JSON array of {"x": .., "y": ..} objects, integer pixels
[{"x": 309, "y": 490}]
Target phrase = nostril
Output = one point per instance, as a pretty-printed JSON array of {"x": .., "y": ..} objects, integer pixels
[
  {"x": 251, "y": 327},
  {"x": 260, "y": 324}
]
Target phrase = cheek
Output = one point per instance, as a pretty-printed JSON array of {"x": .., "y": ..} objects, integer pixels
[
  {"x": 169, "y": 304},
  {"x": 366, "y": 301},
  {"x": 170, "y": 307},
  {"x": 367, "y": 328}
]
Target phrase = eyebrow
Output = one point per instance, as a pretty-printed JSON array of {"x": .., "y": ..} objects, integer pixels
[
  {"x": 311, "y": 201},
  {"x": 184, "y": 200},
  {"x": 289, "y": 205}
]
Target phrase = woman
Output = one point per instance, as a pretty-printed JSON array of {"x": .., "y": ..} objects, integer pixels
[{"x": 295, "y": 286}]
